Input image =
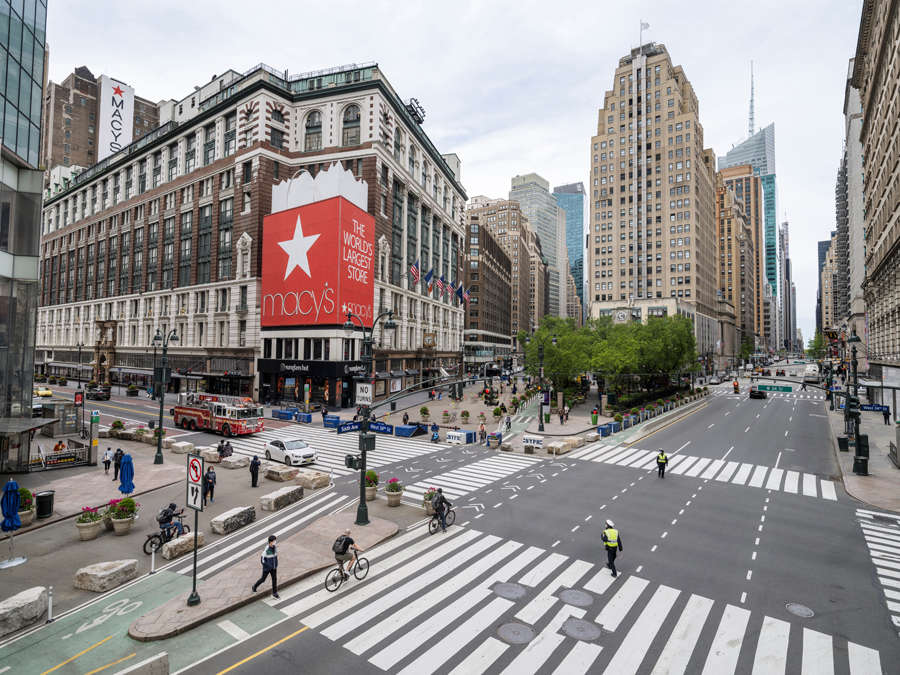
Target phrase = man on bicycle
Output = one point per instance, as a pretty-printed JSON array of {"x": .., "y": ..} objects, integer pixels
[
  {"x": 440, "y": 505},
  {"x": 341, "y": 548},
  {"x": 166, "y": 518}
]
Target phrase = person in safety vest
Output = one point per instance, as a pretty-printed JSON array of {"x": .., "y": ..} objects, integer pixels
[
  {"x": 661, "y": 460},
  {"x": 613, "y": 543}
]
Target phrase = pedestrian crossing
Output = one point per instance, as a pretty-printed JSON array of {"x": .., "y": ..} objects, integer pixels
[
  {"x": 442, "y": 603},
  {"x": 332, "y": 447},
  {"x": 882, "y": 534},
  {"x": 460, "y": 482},
  {"x": 796, "y": 395},
  {"x": 707, "y": 468}
]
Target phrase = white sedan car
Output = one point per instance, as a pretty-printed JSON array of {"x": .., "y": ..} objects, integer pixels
[{"x": 293, "y": 452}]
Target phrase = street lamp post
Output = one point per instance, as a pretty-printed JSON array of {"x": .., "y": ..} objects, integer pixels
[
  {"x": 80, "y": 345},
  {"x": 541, "y": 377},
  {"x": 366, "y": 440},
  {"x": 159, "y": 339}
]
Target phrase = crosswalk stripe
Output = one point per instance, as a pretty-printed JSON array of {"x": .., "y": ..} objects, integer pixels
[
  {"x": 597, "y": 452},
  {"x": 677, "y": 652},
  {"x": 675, "y": 461},
  {"x": 600, "y": 582},
  {"x": 638, "y": 459},
  {"x": 866, "y": 512},
  {"x": 403, "y": 646},
  {"x": 727, "y": 472},
  {"x": 481, "y": 658},
  {"x": 698, "y": 467},
  {"x": 542, "y": 647},
  {"x": 726, "y": 646},
  {"x": 372, "y": 609},
  {"x": 791, "y": 480},
  {"x": 759, "y": 475},
  {"x": 649, "y": 463},
  {"x": 809, "y": 485},
  {"x": 544, "y": 601},
  {"x": 774, "y": 482},
  {"x": 613, "y": 451},
  {"x": 628, "y": 457},
  {"x": 862, "y": 659},
  {"x": 633, "y": 649},
  {"x": 540, "y": 572},
  {"x": 743, "y": 473},
  {"x": 817, "y": 653},
  {"x": 586, "y": 450},
  {"x": 616, "y": 609},
  {"x": 579, "y": 659},
  {"x": 684, "y": 465},
  {"x": 713, "y": 469},
  {"x": 887, "y": 532},
  {"x": 772, "y": 647},
  {"x": 615, "y": 456}
]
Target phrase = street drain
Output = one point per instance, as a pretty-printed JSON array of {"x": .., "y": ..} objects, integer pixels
[
  {"x": 586, "y": 631},
  {"x": 572, "y": 596},
  {"x": 515, "y": 633},
  {"x": 797, "y": 609},
  {"x": 509, "y": 591}
]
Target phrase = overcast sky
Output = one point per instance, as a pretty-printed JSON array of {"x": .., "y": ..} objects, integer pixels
[{"x": 514, "y": 87}]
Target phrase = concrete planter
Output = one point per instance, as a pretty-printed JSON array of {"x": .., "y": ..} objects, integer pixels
[
  {"x": 122, "y": 526},
  {"x": 88, "y": 531},
  {"x": 393, "y": 498},
  {"x": 429, "y": 509},
  {"x": 133, "y": 394},
  {"x": 370, "y": 493},
  {"x": 27, "y": 517}
]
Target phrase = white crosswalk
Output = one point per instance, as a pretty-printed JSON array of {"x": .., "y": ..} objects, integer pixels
[
  {"x": 737, "y": 473},
  {"x": 466, "y": 479},
  {"x": 429, "y": 603},
  {"x": 882, "y": 534},
  {"x": 332, "y": 447},
  {"x": 797, "y": 395}
]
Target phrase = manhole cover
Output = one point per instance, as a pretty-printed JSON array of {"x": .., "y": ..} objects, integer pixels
[
  {"x": 509, "y": 591},
  {"x": 800, "y": 610},
  {"x": 515, "y": 633},
  {"x": 572, "y": 596},
  {"x": 580, "y": 629}
]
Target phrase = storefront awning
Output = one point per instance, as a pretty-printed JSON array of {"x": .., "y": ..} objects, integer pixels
[
  {"x": 132, "y": 371},
  {"x": 412, "y": 371},
  {"x": 383, "y": 375},
  {"x": 397, "y": 373}
]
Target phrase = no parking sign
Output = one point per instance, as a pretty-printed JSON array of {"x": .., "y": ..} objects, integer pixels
[{"x": 194, "y": 499}]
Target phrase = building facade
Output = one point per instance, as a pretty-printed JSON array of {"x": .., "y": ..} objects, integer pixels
[
  {"x": 822, "y": 252},
  {"x": 167, "y": 234},
  {"x": 570, "y": 199},
  {"x": 653, "y": 197},
  {"x": 539, "y": 206},
  {"x": 488, "y": 333},
  {"x": 827, "y": 282},
  {"x": 72, "y": 117},
  {"x": 21, "y": 94},
  {"x": 841, "y": 291},
  {"x": 876, "y": 76},
  {"x": 737, "y": 259},
  {"x": 574, "y": 309},
  {"x": 856, "y": 227}
]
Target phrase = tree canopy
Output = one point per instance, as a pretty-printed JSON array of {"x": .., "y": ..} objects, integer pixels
[{"x": 816, "y": 347}]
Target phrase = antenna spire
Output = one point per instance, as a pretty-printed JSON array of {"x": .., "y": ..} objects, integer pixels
[{"x": 752, "y": 122}]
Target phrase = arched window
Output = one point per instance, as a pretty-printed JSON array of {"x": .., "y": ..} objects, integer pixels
[
  {"x": 313, "y": 140},
  {"x": 350, "y": 126}
]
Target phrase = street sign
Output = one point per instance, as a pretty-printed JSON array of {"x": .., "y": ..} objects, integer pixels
[
  {"x": 874, "y": 407},
  {"x": 95, "y": 417},
  {"x": 79, "y": 398},
  {"x": 364, "y": 393},
  {"x": 774, "y": 387},
  {"x": 194, "y": 499},
  {"x": 348, "y": 426}
]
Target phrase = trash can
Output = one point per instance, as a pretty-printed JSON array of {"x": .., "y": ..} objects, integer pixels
[
  {"x": 594, "y": 418},
  {"x": 546, "y": 417},
  {"x": 44, "y": 503},
  {"x": 862, "y": 446},
  {"x": 843, "y": 444}
]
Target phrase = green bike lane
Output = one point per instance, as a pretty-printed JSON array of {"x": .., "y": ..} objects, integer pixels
[{"x": 94, "y": 638}]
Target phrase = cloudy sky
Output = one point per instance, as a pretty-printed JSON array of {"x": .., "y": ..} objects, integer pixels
[{"x": 514, "y": 86}]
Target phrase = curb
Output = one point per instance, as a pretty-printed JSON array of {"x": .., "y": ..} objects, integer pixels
[
  {"x": 684, "y": 411},
  {"x": 837, "y": 458}
]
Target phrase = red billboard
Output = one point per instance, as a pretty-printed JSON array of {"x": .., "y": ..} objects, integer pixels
[{"x": 318, "y": 264}]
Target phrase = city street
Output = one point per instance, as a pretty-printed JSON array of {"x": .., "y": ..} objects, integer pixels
[{"x": 748, "y": 557}]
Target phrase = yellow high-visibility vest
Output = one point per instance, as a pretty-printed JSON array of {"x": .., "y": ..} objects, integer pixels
[
  {"x": 661, "y": 458},
  {"x": 612, "y": 537}
]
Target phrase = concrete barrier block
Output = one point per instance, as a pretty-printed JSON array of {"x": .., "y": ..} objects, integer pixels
[
  {"x": 181, "y": 545},
  {"x": 312, "y": 479},
  {"x": 22, "y": 609},
  {"x": 574, "y": 441},
  {"x": 209, "y": 454},
  {"x": 281, "y": 498},
  {"x": 235, "y": 462},
  {"x": 280, "y": 473},
  {"x": 233, "y": 519},
  {"x": 591, "y": 437},
  {"x": 103, "y": 576},
  {"x": 557, "y": 448},
  {"x": 181, "y": 448}
]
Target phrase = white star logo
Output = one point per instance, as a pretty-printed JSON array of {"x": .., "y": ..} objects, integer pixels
[{"x": 297, "y": 249}]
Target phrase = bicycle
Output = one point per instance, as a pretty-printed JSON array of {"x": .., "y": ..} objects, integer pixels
[
  {"x": 435, "y": 523},
  {"x": 156, "y": 540},
  {"x": 359, "y": 568}
]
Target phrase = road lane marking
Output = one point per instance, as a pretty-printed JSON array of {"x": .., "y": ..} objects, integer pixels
[
  {"x": 112, "y": 663},
  {"x": 726, "y": 646},
  {"x": 233, "y": 630},
  {"x": 619, "y": 605},
  {"x": 683, "y": 446},
  {"x": 81, "y": 653},
  {"x": 778, "y": 459},
  {"x": 747, "y": 429},
  {"x": 677, "y": 652}
]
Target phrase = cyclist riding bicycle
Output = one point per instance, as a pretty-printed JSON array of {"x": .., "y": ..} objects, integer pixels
[
  {"x": 166, "y": 520},
  {"x": 440, "y": 505},
  {"x": 342, "y": 550}
]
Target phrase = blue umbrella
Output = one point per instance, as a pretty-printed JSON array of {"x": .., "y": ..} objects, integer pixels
[
  {"x": 11, "y": 522},
  {"x": 126, "y": 475}
]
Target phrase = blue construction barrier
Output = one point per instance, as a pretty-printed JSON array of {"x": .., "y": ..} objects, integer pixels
[
  {"x": 616, "y": 427},
  {"x": 604, "y": 429},
  {"x": 331, "y": 421},
  {"x": 409, "y": 430},
  {"x": 306, "y": 418}
]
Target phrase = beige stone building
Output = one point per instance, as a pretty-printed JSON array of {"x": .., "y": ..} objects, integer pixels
[
  {"x": 573, "y": 302},
  {"x": 876, "y": 74},
  {"x": 738, "y": 261},
  {"x": 652, "y": 234},
  {"x": 827, "y": 284}
]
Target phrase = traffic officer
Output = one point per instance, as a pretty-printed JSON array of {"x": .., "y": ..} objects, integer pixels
[
  {"x": 661, "y": 460},
  {"x": 613, "y": 543}
]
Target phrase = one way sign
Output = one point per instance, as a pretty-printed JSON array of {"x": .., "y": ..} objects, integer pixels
[{"x": 194, "y": 498}]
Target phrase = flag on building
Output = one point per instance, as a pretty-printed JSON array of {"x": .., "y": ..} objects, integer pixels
[
  {"x": 414, "y": 270},
  {"x": 459, "y": 292},
  {"x": 440, "y": 285},
  {"x": 448, "y": 288},
  {"x": 465, "y": 295},
  {"x": 428, "y": 281}
]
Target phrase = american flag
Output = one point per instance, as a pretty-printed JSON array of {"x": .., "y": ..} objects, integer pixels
[
  {"x": 448, "y": 288},
  {"x": 414, "y": 270},
  {"x": 466, "y": 296},
  {"x": 440, "y": 285}
]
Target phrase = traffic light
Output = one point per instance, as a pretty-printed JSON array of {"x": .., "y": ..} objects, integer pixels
[
  {"x": 351, "y": 462},
  {"x": 853, "y": 407}
]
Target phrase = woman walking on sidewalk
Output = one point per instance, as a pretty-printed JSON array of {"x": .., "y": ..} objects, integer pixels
[{"x": 107, "y": 460}]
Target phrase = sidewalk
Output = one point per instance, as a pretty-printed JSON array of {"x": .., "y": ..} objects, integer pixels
[{"x": 881, "y": 488}]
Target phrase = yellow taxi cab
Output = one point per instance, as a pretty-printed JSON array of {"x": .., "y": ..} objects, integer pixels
[{"x": 42, "y": 391}]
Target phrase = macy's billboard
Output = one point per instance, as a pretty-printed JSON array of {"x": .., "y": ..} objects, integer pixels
[{"x": 318, "y": 264}]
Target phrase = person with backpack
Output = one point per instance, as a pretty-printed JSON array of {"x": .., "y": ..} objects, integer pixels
[
  {"x": 117, "y": 462},
  {"x": 269, "y": 560},
  {"x": 166, "y": 519},
  {"x": 209, "y": 485},
  {"x": 440, "y": 505},
  {"x": 341, "y": 548},
  {"x": 254, "y": 471}
]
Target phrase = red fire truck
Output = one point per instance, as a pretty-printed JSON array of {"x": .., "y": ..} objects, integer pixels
[{"x": 228, "y": 415}]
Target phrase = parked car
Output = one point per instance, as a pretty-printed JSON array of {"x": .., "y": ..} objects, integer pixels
[
  {"x": 779, "y": 373},
  {"x": 42, "y": 391},
  {"x": 756, "y": 392},
  {"x": 715, "y": 380},
  {"x": 293, "y": 452},
  {"x": 37, "y": 408},
  {"x": 98, "y": 393}
]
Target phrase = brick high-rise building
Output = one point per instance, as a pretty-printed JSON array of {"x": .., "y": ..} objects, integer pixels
[
  {"x": 652, "y": 248},
  {"x": 168, "y": 234},
  {"x": 71, "y": 120},
  {"x": 737, "y": 258},
  {"x": 827, "y": 282}
]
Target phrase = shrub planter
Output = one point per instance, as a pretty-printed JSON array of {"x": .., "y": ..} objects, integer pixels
[
  {"x": 122, "y": 526},
  {"x": 88, "y": 531},
  {"x": 370, "y": 493},
  {"x": 107, "y": 523},
  {"x": 131, "y": 392},
  {"x": 393, "y": 498},
  {"x": 27, "y": 517},
  {"x": 429, "y": 509}
]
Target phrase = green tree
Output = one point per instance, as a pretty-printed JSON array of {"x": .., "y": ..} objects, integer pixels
[
  {"x": 747, "y": 347},
  {"x": 816, "y": 346}
]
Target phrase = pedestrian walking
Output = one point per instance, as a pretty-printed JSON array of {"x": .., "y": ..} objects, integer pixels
[
  {"x": 405, "y": 418},
  {"x": 803, "y": 386},
  {"x": 661, "y": 460},
  {"x": 220, "y": 448},
  {"x": 117, "y": 462},
  {"x": 269, "y": 560},
  {"x": 209, "y": 486},
  {"x": 561, "y": 416},
  {"x": 887, "y": 414},
  {"x": 107, "y": 460},
  {"x": 613, "y": 543},
  {"x": 228, "y": 449},
  {"x": 324, "y": 412},
  {"x": 254, "y": 471},
  {"x": 566, "y": 410}
]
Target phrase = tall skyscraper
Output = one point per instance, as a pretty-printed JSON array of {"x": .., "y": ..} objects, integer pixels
[
  {"x": 649, "y": 173},
  {"x": 540, "y": 208},
  {"x": 822, "y": 248},
  {"x": 737, "y": 255},
  {"x": 856, "y": 226},
  {"x": 21, "y": 96},
  {"x": 571, "y": 199}
]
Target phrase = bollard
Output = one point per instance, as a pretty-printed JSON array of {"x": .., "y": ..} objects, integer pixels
[
  {"x": 50, "y": 605},
  {"x": 153, "y": 561}
]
